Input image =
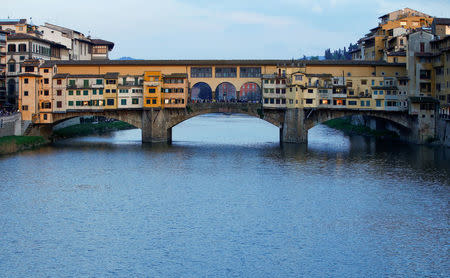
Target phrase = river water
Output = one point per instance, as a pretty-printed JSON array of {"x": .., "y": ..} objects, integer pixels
[{"x": 225, "y": 200}]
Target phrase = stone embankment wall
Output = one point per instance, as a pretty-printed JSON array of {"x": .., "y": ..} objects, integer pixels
[
  {"x": 11, "y": 125},
  {"x": 443, "y": 132}
]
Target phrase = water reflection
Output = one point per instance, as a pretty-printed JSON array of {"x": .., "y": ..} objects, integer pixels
[{"x": 233, "y": 202}]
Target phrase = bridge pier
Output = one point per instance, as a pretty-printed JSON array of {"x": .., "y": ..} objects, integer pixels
[
  {"x": 155, "y": 126},
  {"x": 293, "y": 129}
]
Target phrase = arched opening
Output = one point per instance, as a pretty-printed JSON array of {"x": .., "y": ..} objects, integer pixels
[
  {"x": 226, "y": 92},
  {"x": 201, "y": 92},
  {"x": 89, "y": 125},
  {"x": 11, "y": 86},
  {"x": 225, "y": 129},
  {"x": 354, "y": 129},
  {"x": 250, "y": 92}
]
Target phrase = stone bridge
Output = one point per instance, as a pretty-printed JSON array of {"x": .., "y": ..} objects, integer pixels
[{"x": 156, "y": 124}]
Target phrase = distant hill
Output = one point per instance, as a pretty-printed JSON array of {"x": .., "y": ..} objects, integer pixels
[{"x": 126, "y": 58}]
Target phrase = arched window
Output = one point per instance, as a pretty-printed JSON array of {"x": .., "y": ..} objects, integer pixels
[{"x": 12, "y": 65}]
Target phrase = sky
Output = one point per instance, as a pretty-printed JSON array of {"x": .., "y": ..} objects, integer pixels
[{"x": 226, "y": 29}]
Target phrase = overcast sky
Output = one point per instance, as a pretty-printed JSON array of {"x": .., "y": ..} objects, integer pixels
[{"x": 226, "y": 29}]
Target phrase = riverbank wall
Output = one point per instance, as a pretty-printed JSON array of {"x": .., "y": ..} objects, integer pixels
[
  {"x": 443, "y": 131},
  {"x": 11, "y": 125}
]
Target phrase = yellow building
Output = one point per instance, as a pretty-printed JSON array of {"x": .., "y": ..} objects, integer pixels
[
  {"x": 152, "y": 89},
  {"x": 174, "y": 90},
  {"x": 110, "y": 93}
]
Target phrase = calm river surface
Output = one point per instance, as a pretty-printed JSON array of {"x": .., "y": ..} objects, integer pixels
[{"x": 225, "y": 200}]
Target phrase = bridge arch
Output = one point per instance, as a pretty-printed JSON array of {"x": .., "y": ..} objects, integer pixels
[
  {"x": 226, "y": 91},
  {"x": 131, "y": 117},
  {"x": 250, "y": 91},
  {"x": 398, "y": 121},
  {"x": 251, "y": 109},
  {"x": 201, "y": 91}
]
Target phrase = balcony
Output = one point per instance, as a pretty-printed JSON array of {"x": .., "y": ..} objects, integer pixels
[{"x": 391, "y": 97}]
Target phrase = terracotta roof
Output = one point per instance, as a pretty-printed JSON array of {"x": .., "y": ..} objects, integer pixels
[
  {"x": 86, "y": 76},
  {"x": 286, "y": 63},
  {"x": 27, "y": 74},
  {"x": 60, "y": 76},
  {"x": 111, "y": 75},
  {"x": 176, "y": 75},
  {"x": 103, "y": 42}
]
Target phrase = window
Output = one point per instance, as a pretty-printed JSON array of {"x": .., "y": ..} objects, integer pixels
[
  {"x": 110, "y": 81},
  {"x": 94, "y": 91},
  {"x": 113, "y": 91},
  {"x": 99, "y": 82},
  {"x": 123, "y": 102},
  {"x": 100, "y": 91},
  {"x": 154, "y": 101},
  {"x": 45, "y": 70},
  {"x": 86, "y": 83},
  {"x": 250, "y": 72},
  {"x": 110, "y": 101},
  {"x": 197, "y": 72},
  {"x": 351, "y": 102},
  {"x": 309, "y": 101},
  {"x": 378, "y": 102},
  {"x": 422, "y": 47},
  {"x": 107, "y": 91},
  {"x": 25, "y": 81},
  {"x": 59, "y": 93},
  {"x": 226, "y": 72},
  {"x": 24, "y": 107},
  {"x": 46, "y": 93},
  {"x": 134, "y": 101},
  {"x": 148, "y": 101},
  {"x": 70, "y": 93},
  {"x": 78, "y": 93},
  {"x": 367, "y": 102},
  {"x": 85, "y": 93},
  {"x": 72, "y": 83},
  {"x": 45, "y": 116},
  {"x": 59, "y": 104},
  {"x": 152, "y": 90},
  {"x": 25, "y": 93},
  {"x": 363, "y": 82},
  {"x": 362, "y": 103},
  {"x": 299, "y": 77},
  {"x": 45, "y": 80},
  {"x": 11, "y": 67},
  {"x": 380, "y": 92},
  {"x": 58, "y": 81}
]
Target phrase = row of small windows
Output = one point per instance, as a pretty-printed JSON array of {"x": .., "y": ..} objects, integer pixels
[
  {"x": 276, "y": 91},
  {"x": 166, "y": 90},
  {"x": 225, "y": 72},
  {"x": 109, "y": 102},
  {"x": 274, "y": 101}
]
